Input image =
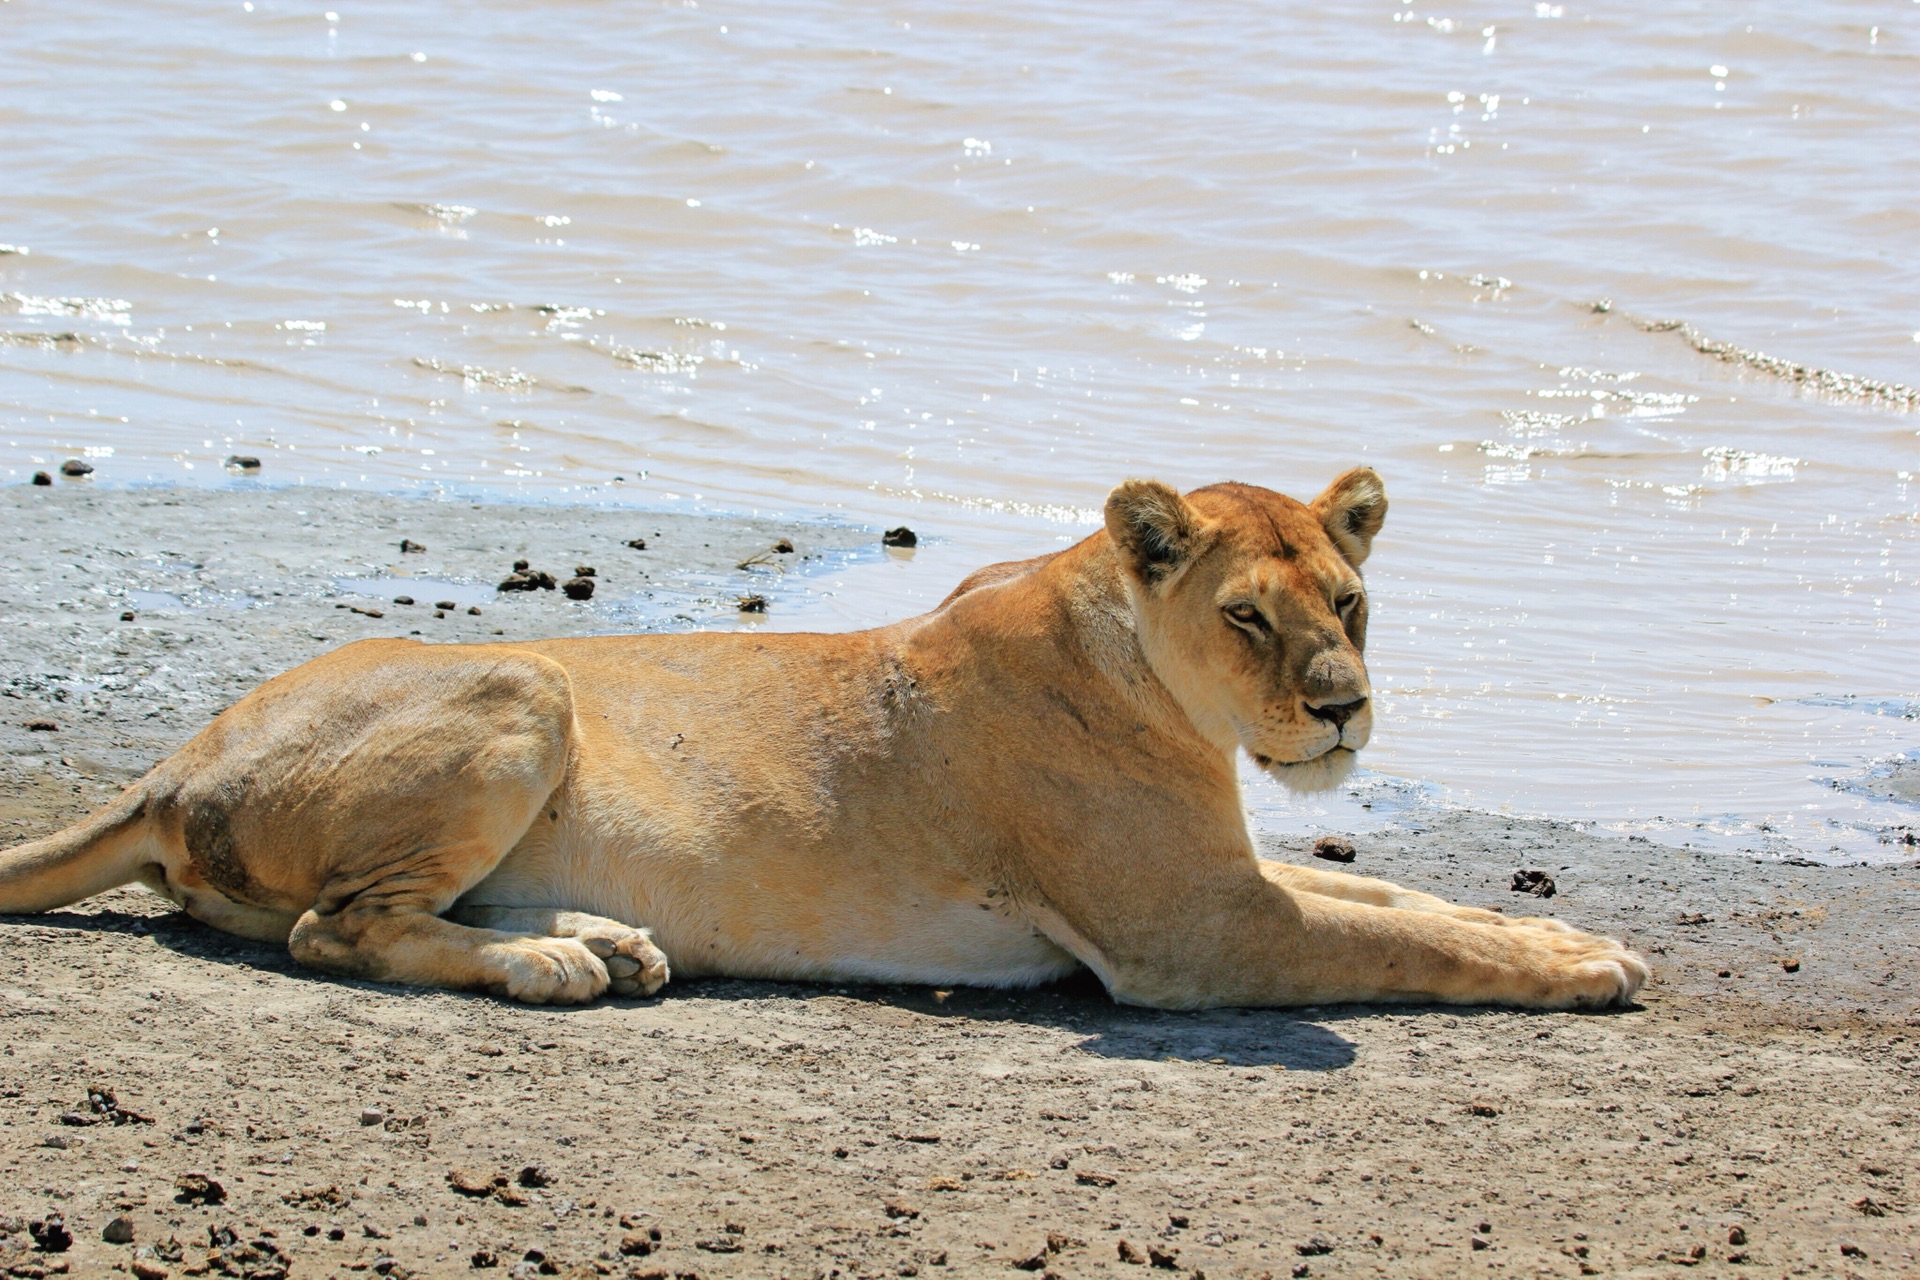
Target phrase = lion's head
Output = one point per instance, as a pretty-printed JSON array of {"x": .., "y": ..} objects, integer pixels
[{"x": 1251, "y": 610}]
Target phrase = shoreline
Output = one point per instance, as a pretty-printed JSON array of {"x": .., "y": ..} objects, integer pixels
[{"x": 873, "y": 1130}]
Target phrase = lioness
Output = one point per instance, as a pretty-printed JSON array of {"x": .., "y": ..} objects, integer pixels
[{"x": 1037, "y": 775}]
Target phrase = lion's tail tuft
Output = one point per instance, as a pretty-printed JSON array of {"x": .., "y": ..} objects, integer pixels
[{"x": 98, "y": 853}]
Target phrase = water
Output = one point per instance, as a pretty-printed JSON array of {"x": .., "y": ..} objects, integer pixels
[{"x": 966, "y": 268}]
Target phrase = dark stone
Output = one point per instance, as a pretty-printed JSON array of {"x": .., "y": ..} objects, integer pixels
[
  {"x": 1333, "y": 849},
  {"x": 579, "y": 588},
  {"x": 51, "y": 1236},
  {"x": 638, "y": 544},
  {"x": 901, "y": 537},
  {"x": 42, "y": 478},
  {"x": 753, "y": 604},
  {"x": 1537, "y": 883},
  {"x": 243, "y": 462},
  {"x": 409, "y": 547},
  {"x": 76, "y": 467}
]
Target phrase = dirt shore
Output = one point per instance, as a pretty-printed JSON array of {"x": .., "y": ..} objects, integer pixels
[{"x": 1755, "y": 1116}]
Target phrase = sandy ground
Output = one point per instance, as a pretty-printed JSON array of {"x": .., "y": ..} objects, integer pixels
[{"x": 1751, "y": 1118}]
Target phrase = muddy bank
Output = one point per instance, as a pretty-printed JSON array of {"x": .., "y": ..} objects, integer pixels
[{"x": 1754, "y": 1116}]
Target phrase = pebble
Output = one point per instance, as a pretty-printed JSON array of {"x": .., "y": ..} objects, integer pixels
[
  {"x": 144, "y": 1270},
  {"x": 448, "y": 605},
  {"x": 403, "y": 599},
  {"x": 580, "y": 588},
  {"x": 243, "y": 462},
  {"x": 1333, "y": 849},
  {"x": 1537, "y": 883},
  {"x": 76, "y": 467},
  {"x": 51, "y": 1235},
  {"x": 901, "y": 537},
  {"x": 409, "y": 547},
  {"x": 371, "y": 1115},
  {"x": 119, "y": 1231},
  {"x": 522, "y": 579},
  {"x": 42, "y": 726},
  {"x": 638, "y": 544},
  {"x": 474, "y": 609},
  {"x": 583, "y": 571},
  {"x": 198, "y": 1188},
  {"x": 126, "y": 615},
  {"x": 42, "y": 478},
  {"x": 753, "y": 604}
]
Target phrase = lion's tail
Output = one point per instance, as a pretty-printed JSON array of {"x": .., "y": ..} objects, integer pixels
[{"x": 98, "y": 853}]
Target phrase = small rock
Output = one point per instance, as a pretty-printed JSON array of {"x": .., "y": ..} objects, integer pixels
[
  {"x": 1851, "y": 1250},
  {"x": 898, "y": 1209},
  {"x": 1131, "y": 1255},
  {"x": 784, "y": 547},
  {"x": 198, "y": 1188},
  {"x": 76, "y": 467},
  {"x": 1479, "y": 1243},
  {"x": 1178, "y": 1220},
  {"x": 1736, "y": 1235},
  {"x": 42, "y": 478},
  {"x": 409, "y": 547},
  {"x": 1317, "y": 1247},
  {"x": 534, "y": 1176},
  {"x": 578, "y": 588},
  {"x": 51, "y": 1236},
  {"x": 520, "y": 566},
  {"x": 635, "y": 1246},
  {"x": 583, "y": 571},
  {"x": 1865, "y": 1204},
  {"x": 372, "y": 1115},
  {"x": 484, "y": 1259},
  {"x": 1485, "y": 1110},
  {"x": 448, "y": 605},
  {"x": 119, "y": 1231},
  {"x": 528, "y": 580},
  {"x": 1790, "y": 965},
  {"x": 405, "y": 600},
  {"x": 901, "y": 537},
  {"x": 1164, "y": 1259},
  {"x": 1333, "y": 849},
  {"x": 474, "y": 610},
  {"x": 1037, "y": 1262},
  {"x": 126, "y": 615},
  {"x": 1089, "y": 1179},
  {"x": 43, "y": 726},
  {"x": 144, "y": 1270},
  {"x": 1693, "y": 918},
  {"x": 1537, "y": 883},
  {"x": 469, "y": 1183},
  {"x": 638, "y": 544},
  {"x": 753, "y": 604},
  {"x": 242, "y": 462}
]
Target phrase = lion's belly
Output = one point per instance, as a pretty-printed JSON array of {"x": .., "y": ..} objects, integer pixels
[{"x": 791, "y": 911}]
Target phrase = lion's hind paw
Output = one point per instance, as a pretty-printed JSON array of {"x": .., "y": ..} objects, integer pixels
[{"x": 635, "y": 967}]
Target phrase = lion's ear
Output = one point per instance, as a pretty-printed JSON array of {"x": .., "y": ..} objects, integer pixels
[
  {"x": 1153, "y": 527},
  {"x": 1352, "y": 510}
]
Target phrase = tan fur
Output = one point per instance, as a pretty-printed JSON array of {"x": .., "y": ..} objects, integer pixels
[{"x": 1037, "y": 775}]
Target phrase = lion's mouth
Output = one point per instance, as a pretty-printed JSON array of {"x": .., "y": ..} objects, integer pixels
[{"x": 1268, "y": 762}]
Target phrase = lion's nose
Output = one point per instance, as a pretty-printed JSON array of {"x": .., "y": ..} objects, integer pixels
[{"x": 1336, "y": 713}]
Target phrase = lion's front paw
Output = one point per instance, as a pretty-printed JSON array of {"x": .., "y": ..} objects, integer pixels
[
  {"x": 635, "y": 966},
  {"x": 551, "y": 971},
  {"x": 1571, "y": 970}
]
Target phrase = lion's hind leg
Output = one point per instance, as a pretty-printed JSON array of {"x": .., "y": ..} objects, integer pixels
[
  {"x": 635, "y": 967},
  {"x": 1384, "y": 893}
]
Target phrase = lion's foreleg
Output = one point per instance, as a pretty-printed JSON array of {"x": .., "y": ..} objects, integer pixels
[
  {"x": 1266, "y": 944},
  {"x": 1384, "y": 893}
]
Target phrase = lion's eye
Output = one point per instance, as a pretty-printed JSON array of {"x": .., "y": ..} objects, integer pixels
[
  {"x": 1245, "y": 614},
  {"x": 1346, "y": 602}
]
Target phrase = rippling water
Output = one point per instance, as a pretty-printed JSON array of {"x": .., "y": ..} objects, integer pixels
[{"x": 966, "y": 267}]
